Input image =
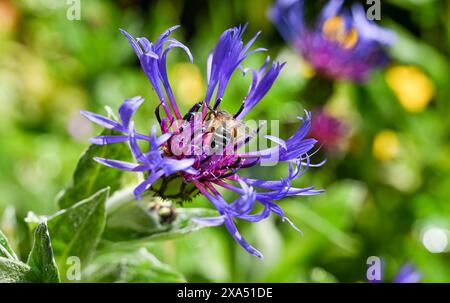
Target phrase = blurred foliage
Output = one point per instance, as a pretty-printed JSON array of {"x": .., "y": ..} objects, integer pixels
[{"x": 388, "y": 188}]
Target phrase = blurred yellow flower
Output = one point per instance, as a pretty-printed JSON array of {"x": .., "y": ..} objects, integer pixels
[
  {"x": 412, "y": 87},
  {"x": 385, "y": 145},
  {"x": 187, "y": 83}
]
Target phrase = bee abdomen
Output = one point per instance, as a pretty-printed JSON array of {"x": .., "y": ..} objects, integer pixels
[{"x": 221, "y": 137}]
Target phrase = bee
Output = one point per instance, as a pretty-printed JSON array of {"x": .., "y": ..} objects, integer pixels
[
  {"x": 165, "y": 211},
  {"x": 225, "y": 129}
]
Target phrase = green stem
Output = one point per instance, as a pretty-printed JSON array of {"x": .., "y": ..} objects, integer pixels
[{"x": 120, "y": 198}]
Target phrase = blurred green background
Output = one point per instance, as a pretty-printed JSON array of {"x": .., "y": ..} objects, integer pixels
[{"x": 387, "y": 183}]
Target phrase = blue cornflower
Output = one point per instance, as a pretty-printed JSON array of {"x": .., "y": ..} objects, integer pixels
[{"x": 179, "y": 156}]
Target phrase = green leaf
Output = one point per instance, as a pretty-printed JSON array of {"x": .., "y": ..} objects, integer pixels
[
  {"x": 41, "y": 259},
  {"x": 90, "y": 176},
  {"x": 183, "y": 223},
  {"x": 137, "y": 220},
  {"x": 5, "y": 248},
  {"x": 12, "y": 271},
  {"x": 133, "y": 267},
  {"x": 76, "y": 231}
]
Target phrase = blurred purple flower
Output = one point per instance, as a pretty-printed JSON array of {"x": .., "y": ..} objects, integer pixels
[
  {"x": 407, "y": 274},
  {"x": 206, "y": 173},
  {"x": 78, "y": 128},
  {"x": 327, "y": 130},
  {"x": 342, "y": 44}
]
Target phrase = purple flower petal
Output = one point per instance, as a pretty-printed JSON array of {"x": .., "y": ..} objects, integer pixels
[
  {"x": 171, "y": 165},
  {"x": 296, "y": 146},
  {"x": 103, "y": 121},
  {"x": 369, "y": 30},
  {"x": 228, "y": 54},
  {"x": 164, "y": 35},
  {"x": 134, "y": 44},
  {"x": 237, "y": 236},
  {"x": 135, "y": 149},
  {"x": 128, "y": 108},
  {"x": 277, "y": 140},
  {"x": 331, "y": 9},
  {"x": 147, "y": 183},
  {"x": 244, "y": 203},
  {"x": 104, "y": 140},
  {"x": 147, "y": 46},
  {"x": 121, "y": 164},
  {"x": 262, "y": 82},
  {"x": 213, "y": 221},
  {"x": 257, "y": 217},
  {"x": 288, "y": 16},
  {"x": 162, "y": 139},
  {"x": 175, "y": 43}
]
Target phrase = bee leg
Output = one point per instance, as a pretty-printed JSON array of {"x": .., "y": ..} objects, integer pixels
[
  {"x": 193, "y": 110},
  {"x": 217, "y": 103},
  {"x": 240, "y": 109},
  {"x": 249, "y": 164},
  {"x": 229, "y": 174},
  {"x": 205, "y": 160},
  {"x": 197, "y": 132},
  {"x": 157, "y": 113},
  {"x": 235, "y": 164}
]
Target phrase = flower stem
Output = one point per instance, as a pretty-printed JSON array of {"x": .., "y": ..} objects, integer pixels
[{"x": 120, "y": 198}]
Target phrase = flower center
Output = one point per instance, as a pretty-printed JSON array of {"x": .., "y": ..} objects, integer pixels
[
  {"x": 175, "y": 188},
  {"x": 334, "y": 30}
]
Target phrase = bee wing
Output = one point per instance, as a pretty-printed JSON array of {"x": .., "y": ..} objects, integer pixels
[{"x": 243, "y": 133}]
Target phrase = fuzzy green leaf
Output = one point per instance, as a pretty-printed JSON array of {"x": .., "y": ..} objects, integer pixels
[
  {"x": 76, "y": 231},
  {"x": 138, "y": 221},
  {"x": 12, "y": 271},
  {"x": 41, "y": 259},
  {"x": 5, "y": 248},
  {"x": 138, "y": 266},
  {"x": 90, "y": 176}
]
